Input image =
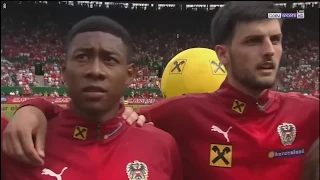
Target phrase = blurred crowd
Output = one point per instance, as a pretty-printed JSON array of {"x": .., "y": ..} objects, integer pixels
[{"x": 33, "y": 34}]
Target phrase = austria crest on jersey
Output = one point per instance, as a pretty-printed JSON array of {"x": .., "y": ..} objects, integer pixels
[
  {"x": 287, "y": 133},
  {"x": 137, "y": 170}
]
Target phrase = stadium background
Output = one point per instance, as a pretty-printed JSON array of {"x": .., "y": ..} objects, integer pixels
[{"x": 32, "y": 36}]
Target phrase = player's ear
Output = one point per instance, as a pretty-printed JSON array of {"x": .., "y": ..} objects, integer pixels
[
  {"x": 131, "y": 72},
  {"x": 222, "y": 53}
]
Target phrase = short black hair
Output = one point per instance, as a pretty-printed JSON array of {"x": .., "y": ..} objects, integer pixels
[
  {"x": 233, "y": 12},
  {"x": 102, "y": 24}
]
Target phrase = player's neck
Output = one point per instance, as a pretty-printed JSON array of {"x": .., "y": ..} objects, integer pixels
[
  {"x": 255, "y": 93},
  {"x": 97, "y": 116}
]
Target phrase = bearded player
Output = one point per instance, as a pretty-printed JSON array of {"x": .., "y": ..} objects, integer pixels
[{"x": 243, "y": 130}]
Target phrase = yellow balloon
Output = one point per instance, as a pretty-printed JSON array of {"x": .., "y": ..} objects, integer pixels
[{"x": 195, "y": 70}]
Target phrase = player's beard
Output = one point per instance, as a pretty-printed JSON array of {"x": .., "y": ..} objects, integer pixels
[{"x": 247, "y": 79}]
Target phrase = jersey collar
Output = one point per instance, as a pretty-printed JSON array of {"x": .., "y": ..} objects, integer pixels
[
  {"x": 240, "y": 102},
  {"x": 228, "y": 90},
  {"x": 79, "y": 129}
]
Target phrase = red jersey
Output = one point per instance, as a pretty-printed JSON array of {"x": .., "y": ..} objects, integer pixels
[
  {"x": 229, "y": 135},
  {"x": 4, "y": 123},
  {"x": 77, "y": 149}
]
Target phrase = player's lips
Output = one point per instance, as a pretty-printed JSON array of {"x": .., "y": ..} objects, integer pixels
[
  {"x": 94, "y": 92},
  {"x": 266, "y": 72},
  {"x": 266, "y": 68}
]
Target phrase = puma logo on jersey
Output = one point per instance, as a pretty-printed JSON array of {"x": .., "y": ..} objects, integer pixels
[
  {"x": 218, "y": 130},
  {"x": 49, "y": 172}
]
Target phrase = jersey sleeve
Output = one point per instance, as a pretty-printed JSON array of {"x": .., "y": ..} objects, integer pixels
[
  {"x": 310, "y": 107},
  {"x": 165, "y": 114},
  {"x": 313, "y": 104},
  {"x": 49, "y": 109},
  {"x": 4, "y": 123},
  {"x": 176, "y": 162},
  {"x": 165, "y": 146}
]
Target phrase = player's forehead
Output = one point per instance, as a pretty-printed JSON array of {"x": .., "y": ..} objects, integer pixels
[
  {"x": 97, "y": 41},
  {"x": 257, "y": 28}
]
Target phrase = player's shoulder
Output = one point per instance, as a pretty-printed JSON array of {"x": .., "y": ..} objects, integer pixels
[
  {"x": 179, "y": 102},
  {"x": 149, "y": 133},
  {"x": 298, "y": 102},
  {"x": 296, "y": 97},
  {"x": 186, "y": 98},
  {"x": 193, "y": 96}
]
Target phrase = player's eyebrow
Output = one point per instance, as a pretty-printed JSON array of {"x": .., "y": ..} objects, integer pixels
[
  {"x": 91, "y": 49},
  {"x": 277, "y": 35},
  {"x": 83, "y": 49},
  {"x": 261, "y": 36},
  {"x": 253, "y": 36}
]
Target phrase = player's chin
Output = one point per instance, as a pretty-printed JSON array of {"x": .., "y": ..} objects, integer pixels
[
  {"x": 266, "y": 81},
  {"x": 96, "y": 102},
  {"x": 95, "y": 106}
]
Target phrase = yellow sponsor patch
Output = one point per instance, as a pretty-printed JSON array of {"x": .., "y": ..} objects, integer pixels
[
  {"x": 217, "y": 68},
  {"x": 80, "y": 133},
  {"x": 178, "y": 66},
  {"x": 238, "y": 106},
  {"x": 220, "y": 155}
]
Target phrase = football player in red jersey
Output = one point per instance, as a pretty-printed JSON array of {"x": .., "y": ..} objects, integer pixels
[
  {"x": 90, "y": 139},
  {"x": 243, "y": 130}
]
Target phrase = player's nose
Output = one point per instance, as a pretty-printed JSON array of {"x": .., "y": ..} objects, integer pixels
[
  {"x": 96, "y": 69},
  {"x": 268, "y": 48}
]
